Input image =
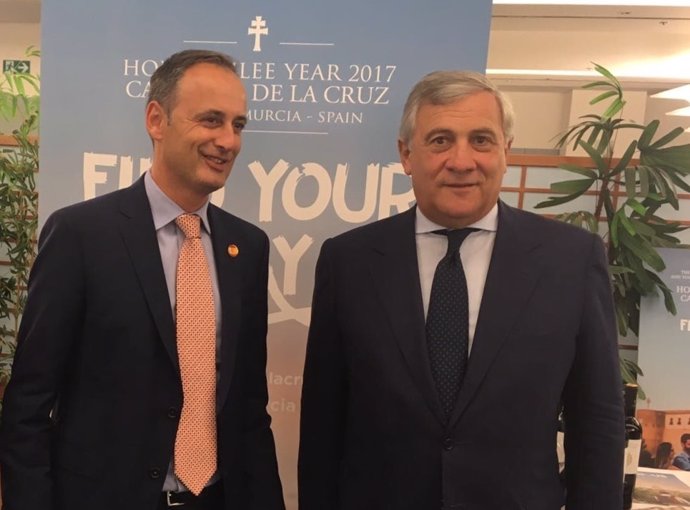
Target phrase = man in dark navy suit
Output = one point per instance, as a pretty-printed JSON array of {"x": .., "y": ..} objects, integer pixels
[
  {"x": 420, "y": 395},
  {"x": 92, "y": 410}
]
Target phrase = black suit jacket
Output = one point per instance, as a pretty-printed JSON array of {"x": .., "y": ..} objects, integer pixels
[
  {"x": 97, "y": 351},
  {"x": 373, "y": 435}
]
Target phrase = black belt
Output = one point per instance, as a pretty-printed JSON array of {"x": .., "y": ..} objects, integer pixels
[{"x": 210, "y": 497}]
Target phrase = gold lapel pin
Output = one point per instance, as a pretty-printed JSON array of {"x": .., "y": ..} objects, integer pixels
[{"x": 233, "y": 250}]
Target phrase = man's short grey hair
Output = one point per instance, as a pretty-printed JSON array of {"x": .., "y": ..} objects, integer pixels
[{"x": 445, "y": 87}]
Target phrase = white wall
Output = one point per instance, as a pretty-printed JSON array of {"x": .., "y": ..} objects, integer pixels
[
  {"x": 15, "y": 39},
  {"x": 540, "y": 114},
  {"x": 657, "y": 109},
  {"x": 651, "y": 48}
]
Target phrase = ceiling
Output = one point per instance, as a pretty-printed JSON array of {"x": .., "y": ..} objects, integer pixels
[
  {"x": 644, "y": 46},
  {"x": 505, "y": 17},
  {"x": 595, "y": 17},
  {"x": 640, "y": 44}
]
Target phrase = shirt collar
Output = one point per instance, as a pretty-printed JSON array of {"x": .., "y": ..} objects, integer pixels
[
  {"x": 164, "y": 210},
  {"x": 489, "y": 222}
]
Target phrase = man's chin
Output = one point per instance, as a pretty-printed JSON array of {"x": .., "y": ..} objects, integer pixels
[{"x": 214, "y": 180}]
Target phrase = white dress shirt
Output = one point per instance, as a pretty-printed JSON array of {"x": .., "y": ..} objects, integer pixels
[{"x": 475, "y": 253}]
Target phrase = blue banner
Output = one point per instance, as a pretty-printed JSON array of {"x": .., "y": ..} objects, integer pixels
[{"x": 326, "y": 83}]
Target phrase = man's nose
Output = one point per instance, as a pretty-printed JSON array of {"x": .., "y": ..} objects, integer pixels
[
  {"x": 461, "y": 157},
  {"x": 229, "y": 138}
]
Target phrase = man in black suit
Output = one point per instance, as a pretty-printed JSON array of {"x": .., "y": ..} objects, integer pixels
[
  {"x": 396, "y": 413},
  {"x": 92, "y": 410}
]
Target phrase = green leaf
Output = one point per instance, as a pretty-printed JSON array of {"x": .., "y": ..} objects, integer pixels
[
  {"x": 668, "y": 295},
  {"x": 553, "y": 201},
  {"x": 659, "y": 183},
  {"x": 620, "y": 270},
  {"x": 605, "y": 72},
  {"x": 679, "y": 181},
  {"x": 647, "y": 134},
  {"x": 667, "y": 138},
  {"x": 604, "y": 146},
  {"x": 592, "y": 222},
  {"x": 626, "y": 158},
  {"x": 643, "y": 251},
  {"x": 627, "y": 224},
  {"x": 676, "y": 157},
  {"x": 603, "y": 96},
  {"x": 595, "y": 84},
  {"x": 627, "y": 125},
  {"x": 613, "y": 230},
  {"x": 630, "y": 183},
  {"x": 643, "y": 228},
  {"x": 615, "y": 107},
  {"x": 573, "y": 186},
  {"x": 596, "y": 156},
  {"x": 578, "y": 138},
  {"x": 587, "y": 172},
  {"x": 594, "y": 134},
  {"x": 636, "y": 206},
  {"x": 643, "y": 174}
]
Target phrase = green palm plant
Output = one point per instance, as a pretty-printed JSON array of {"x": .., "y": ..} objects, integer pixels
[
  {"x": 18, "y": 223},
  {"x": 629, "y": 192},
  {"x": 18, "y": 206}
]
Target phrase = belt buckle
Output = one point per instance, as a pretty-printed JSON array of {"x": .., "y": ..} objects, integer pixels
[{"x": 171, "y": 503}]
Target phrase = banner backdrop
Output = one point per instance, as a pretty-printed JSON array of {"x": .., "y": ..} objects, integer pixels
[
  {"x": 326, "y": 82},
  {"x": 663, "y": 355}
]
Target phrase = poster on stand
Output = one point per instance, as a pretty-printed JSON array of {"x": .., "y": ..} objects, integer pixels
[{"x": 664, "y": 357}]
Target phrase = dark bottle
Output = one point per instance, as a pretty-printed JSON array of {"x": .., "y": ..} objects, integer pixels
[
  {"x": 560, "y": 445},
  {"x": 633, "y": 444}
]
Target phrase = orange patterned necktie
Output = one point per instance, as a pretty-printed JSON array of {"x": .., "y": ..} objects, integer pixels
[{"x": 195, "y": 445}]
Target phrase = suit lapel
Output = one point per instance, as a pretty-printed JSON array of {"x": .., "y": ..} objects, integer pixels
[
  {"x": 511, "y": 279},
  {"x": 395, "y": 273},
  {"x": 229, "y": 274},
  {"x": 139, "y": 235}
]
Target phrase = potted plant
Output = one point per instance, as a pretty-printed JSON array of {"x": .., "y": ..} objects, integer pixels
[
  {"x": 18, "y": 205},
  {"x": 629, "y": 192}
]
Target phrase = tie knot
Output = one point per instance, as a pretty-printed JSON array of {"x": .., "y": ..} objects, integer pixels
[
  {"x": 455, "y": 238},
  {"x": 190, "y": 225}
]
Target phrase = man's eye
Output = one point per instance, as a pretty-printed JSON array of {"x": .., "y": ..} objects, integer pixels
[
  {"x": 483, "y": 140},
  {"x": 239, "y": 125},
  {"x": 439, "y": 140},
  {"x": 212, "y": 121}
]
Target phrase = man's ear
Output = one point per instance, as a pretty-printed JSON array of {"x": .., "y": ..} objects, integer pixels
[
  {"x": 404, "y": 151},
  {"x": 509, "y": 144},
  {"x": 506, "y": 150},
  {"x": 156, "y": 120}
]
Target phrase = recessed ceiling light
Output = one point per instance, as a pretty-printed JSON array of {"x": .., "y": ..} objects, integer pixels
[
  {"x": 682, "y": 92},
  {"x": 680, "y": 112}
]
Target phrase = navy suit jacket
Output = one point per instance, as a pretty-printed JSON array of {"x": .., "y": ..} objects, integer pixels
[
  {"x": 373, "y": 435},
  {"x": 92, "y": 408}
]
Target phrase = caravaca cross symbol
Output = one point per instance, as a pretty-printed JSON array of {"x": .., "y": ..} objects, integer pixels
[{"x": 257, "y": 29}]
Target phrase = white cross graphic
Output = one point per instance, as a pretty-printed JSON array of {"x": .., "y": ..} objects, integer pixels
[{"x": 257, "y": 29}]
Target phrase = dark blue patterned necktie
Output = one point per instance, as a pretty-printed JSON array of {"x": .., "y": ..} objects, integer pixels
[{"x": 447, "y": 321}]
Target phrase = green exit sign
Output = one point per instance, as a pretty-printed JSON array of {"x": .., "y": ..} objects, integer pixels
[{"x": 16, "y": 66}]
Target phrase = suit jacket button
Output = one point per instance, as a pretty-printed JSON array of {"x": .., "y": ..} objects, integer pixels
[
  {"x": 172, "y": 413},
  {"x": 448, "y": 444},
  {"x": 154, "y": 473}
]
